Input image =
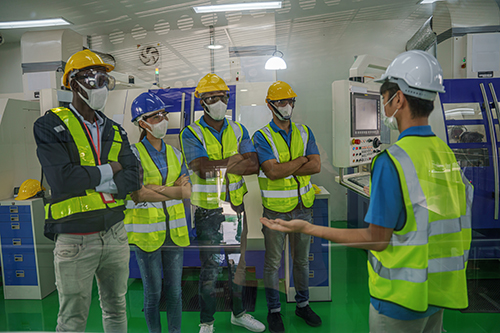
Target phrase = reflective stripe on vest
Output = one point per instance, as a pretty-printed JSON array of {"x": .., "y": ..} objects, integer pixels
[
  {"x": 91, "y": 201},
  {"x": 207, "y": 193},
  {"x": 424, "y": 263},
  {"x": 281, "y": 195},
  {"x": 145, "y": 222}
]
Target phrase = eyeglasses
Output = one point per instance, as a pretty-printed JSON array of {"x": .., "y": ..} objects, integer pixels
[
  {"x": 93, "y": 79},
  {"x": 215, "y": 99},
  {"x": 157, "y": 117},
  {"x": 284, "y": 102}
]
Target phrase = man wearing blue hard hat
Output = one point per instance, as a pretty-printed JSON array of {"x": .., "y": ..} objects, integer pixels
[
  {"x": 419, "y": 216},
  {"x": 155, "y": 219}
]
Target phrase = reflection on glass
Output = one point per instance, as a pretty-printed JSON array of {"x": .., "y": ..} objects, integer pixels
[
  {"x": 477, "y": 157},
  {"x": 462, "y": 111},
  {"x": 466, "y": 134}
]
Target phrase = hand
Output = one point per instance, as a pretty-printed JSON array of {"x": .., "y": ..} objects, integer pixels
[
  {"x": 182, "y": 180},
  {"x": 115, "y": 166},
  {"x": 303, "y": 159},
  {"x": 285, "y": 226},
  {"x": 367, "y": 190},
  {"x": 233, "y": 160},
  {"x": 136, "y": 196}
]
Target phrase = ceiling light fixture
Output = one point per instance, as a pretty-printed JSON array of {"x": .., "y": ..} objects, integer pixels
[
  {"x": 34, "y": 23},
  {"x": 214, "y": 46},
  {"x": 426, "y": 2},
  {"x": 275, "y": 62},
  {"x": 238, "y": 6}
]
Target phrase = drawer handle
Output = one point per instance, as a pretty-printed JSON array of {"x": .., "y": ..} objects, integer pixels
[
  {"x": 14, "y": 217},
  {"x": 14, "y": 209},
  {"x": 311, "y": 274},
  {"x": 19, "y": 273},
  {"x": 18, "y": 257},
  {"x": 15, "y": 226},
  {"x": 16, "y": 241},
  {"x": 311, "y": 256}
]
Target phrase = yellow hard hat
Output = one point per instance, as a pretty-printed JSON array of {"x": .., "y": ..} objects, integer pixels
[
  {"x": 83, "y": 59},
  {"x": 208, "y": 83},
  {"x": 280, "y": 90},
  {"x": 29, "y": 188}
]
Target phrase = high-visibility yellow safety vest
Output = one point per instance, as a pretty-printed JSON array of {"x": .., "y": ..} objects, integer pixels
[
  {"x": 145, "y": 222},
  {"x": 425, "y": 262},
  {"x": 91, "y": 203},
  {"x": 282, "y": 195},
  {"x": 207, "y": 193}
]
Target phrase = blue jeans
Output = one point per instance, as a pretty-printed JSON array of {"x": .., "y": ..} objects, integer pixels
[
  {"x": 168, "y": 258},
  {"x": 208, "y": 223},
  {"x": 299, "y": 245}
]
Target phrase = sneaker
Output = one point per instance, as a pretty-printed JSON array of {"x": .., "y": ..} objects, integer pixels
[
  {"x": 309, "y": 316},
  {"x": 207, "y": 328},
  {"x": 249, "y": 322},
  {"x": 275, "y": 322}
]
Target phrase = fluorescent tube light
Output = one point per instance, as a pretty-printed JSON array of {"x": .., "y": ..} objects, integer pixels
[
  {"x": 215, "y": 46},
  {"x": 426, "y": 2},
  {"x": 238, "y": 7},
  {"x": 33, "y": 23}
]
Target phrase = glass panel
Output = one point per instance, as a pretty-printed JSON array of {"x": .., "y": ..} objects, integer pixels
[
  {"x": 497, "y": 130},
  {"x": 477, "y": 157},
  {"x": 466, "y": 133},
  {"x": 462, "y": 111}
]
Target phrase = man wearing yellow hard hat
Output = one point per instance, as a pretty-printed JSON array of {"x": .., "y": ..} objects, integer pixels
[
  {"x": 288, "y": 156},
  {"x": 90, "y": 168},
  {"x": 218, "y": 152}
]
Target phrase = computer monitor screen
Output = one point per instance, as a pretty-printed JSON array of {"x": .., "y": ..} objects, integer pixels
[{"x": 365, "y": 110}]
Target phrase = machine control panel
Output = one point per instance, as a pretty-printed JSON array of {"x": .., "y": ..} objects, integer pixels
[
  {"x": 363, "y": 150},
  {"x": 356, "y": 123}
]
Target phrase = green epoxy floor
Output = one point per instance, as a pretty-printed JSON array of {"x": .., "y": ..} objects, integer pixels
[{"x": 348, "y": 312}]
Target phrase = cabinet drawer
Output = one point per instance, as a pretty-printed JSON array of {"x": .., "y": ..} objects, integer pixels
[
  {"x": 15, "y": 210},
  {"x": 15, "y": 217},
  {"x": 19, "y": 260},
  {"x": 16, "y": 229},
  {"x": 16, "y": 242},
  {"x": 317, "y": 278},
  {"x": 318, "y": 260},
  {"x": 318, "y": 245},
  {"x": 20, "y": 277}
]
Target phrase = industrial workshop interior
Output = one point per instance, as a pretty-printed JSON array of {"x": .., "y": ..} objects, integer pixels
[{"x": 136, "y": 194}]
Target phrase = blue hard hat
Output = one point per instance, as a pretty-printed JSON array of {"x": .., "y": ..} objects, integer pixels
[{"x": 145, "y": 103}]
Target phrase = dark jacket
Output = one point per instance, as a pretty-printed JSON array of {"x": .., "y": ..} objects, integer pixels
[{"x": 58, "y": 155}]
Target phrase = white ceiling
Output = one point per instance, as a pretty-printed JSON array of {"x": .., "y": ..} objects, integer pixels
[{"x": 108, "y": 17}]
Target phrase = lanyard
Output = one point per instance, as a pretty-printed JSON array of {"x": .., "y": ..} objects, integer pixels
[{"x": 98, "y": 147}]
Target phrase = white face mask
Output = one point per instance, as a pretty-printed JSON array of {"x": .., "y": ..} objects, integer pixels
[
  {"x": 158, "y": 130},
  {"x": 217, "y": 111},
  {"x": 97, "y": 97},
  {"x": 391, "y": 122},
  {"x": 286, "y": 112}
]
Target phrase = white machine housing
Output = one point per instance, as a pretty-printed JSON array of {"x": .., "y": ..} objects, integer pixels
[{"x": 356, "y": 123}]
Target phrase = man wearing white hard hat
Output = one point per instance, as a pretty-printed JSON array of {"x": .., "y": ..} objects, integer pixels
[{"x": 419, "y": 215}]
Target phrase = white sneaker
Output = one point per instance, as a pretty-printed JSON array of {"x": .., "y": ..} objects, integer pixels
[
  {"x": 249, "y": 322},
  {"x": 206, "y": 328}
]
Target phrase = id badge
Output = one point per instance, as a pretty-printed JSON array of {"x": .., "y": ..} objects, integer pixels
[{"x": 107, "y": 198}]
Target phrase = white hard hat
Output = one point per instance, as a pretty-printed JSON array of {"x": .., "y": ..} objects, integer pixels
[{"x": 417, "y": 73}]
